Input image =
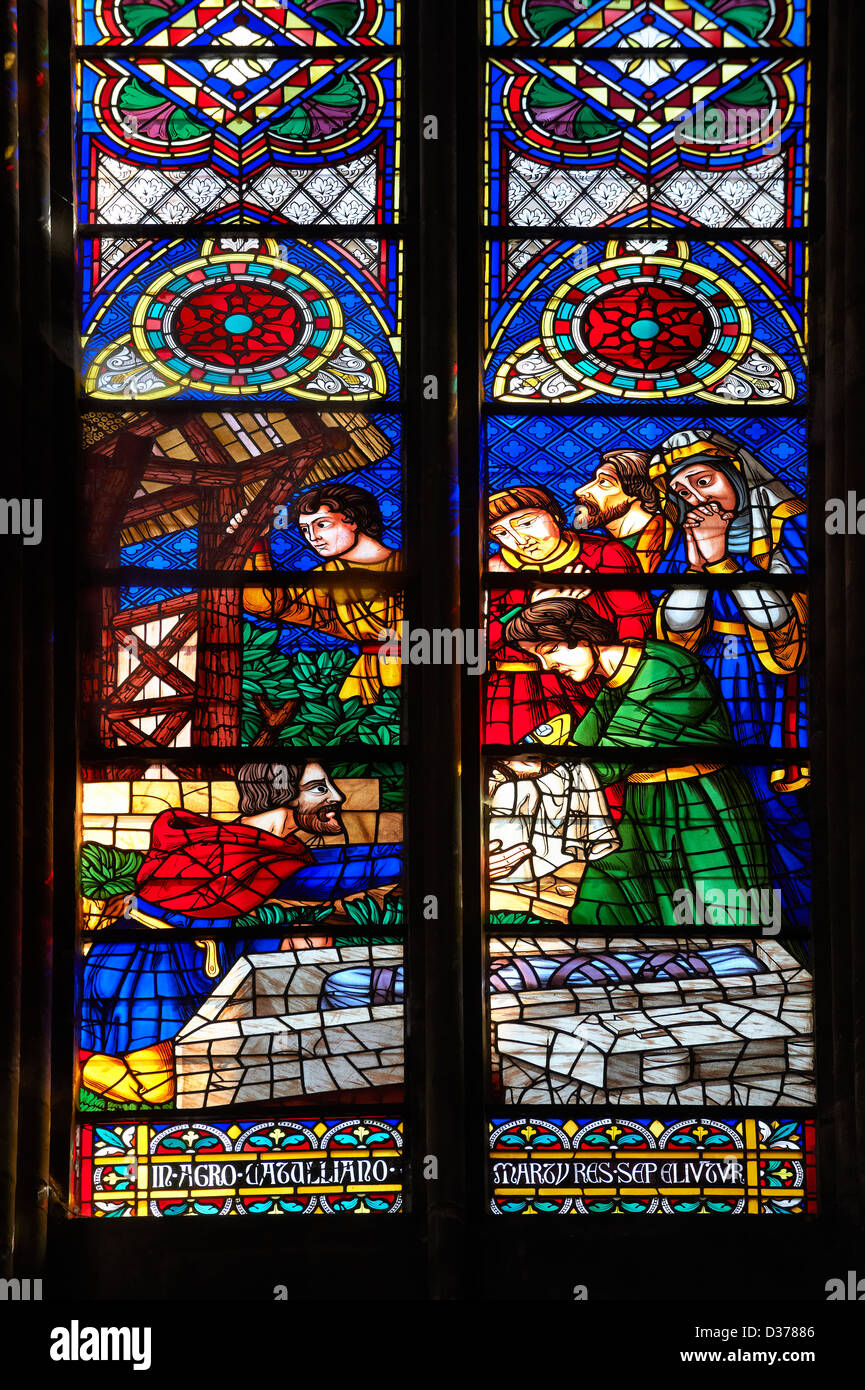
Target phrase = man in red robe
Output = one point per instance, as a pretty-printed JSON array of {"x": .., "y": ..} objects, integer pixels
[{"x": 199, "y": 871}]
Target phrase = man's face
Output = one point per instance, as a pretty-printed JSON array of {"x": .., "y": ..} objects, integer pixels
[
  {"x": 577, "y": 662},
  {"x": 601, "y": 499},
  {"x": 328, "y": 533},
  {"x": 531, "y": 532},
  {"x": 698, "y": 484},
  {"x": 316, "y": 807}
]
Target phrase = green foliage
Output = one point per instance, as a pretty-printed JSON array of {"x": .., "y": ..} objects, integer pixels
[
  {"x": 140, "y": 16},
  {"x": 340, "y": 15},
  {"x": 274, "y": 915},
  {"x": 314, "y": 679},
  {"x": 105, "y": 872},
  {"x": 750, "y": 17},
  {"x": 516, "y": 919},
  {"x": 367, "y": 940},
  {"x": 89, "y": 1100},
  {"x": 340, "y": 95},
  {"x": 365, "y": 911},
  {"x": 547, "y": 18}
]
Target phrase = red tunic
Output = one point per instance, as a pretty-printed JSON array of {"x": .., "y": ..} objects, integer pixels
[
  {"x": 207, "y": 868},
  {"x": 519, "y": 701}
]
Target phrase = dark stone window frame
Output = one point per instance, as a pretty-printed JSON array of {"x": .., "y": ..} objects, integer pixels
[{"x": 449, "y": 1247}]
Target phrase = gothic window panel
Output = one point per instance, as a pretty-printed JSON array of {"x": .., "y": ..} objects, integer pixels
[
  {"x": 228, "y": 490},
  {"x": 225, "y": 964},
  {"x": 241, "y": 969},
  {"x": 611, "y": 844},
  {"x": 333, "y": 1011},
  {"x": 644, "y": 319},
  {"x": 253, "y": 667},
  {"x": 259, "y": 1165},
  {"x": 238, "y": 23},
  {"x": 695, "y": 664},
  {"x": 645, "y": 596},
  {"x": 243, "y": 318},
  {"x": 652, "y": 1164},
  {"x": 693, "y": 142},
  {"x": 647, "y": 24},
  {"x": 586, "y": 467},
  {"x": 700, "y": 1021},
  {"x": 183, "y": 847},
  {"x": 179, "y": 139}
]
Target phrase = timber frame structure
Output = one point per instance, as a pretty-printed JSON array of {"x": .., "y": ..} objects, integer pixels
[{"x": 132, "y": 465}]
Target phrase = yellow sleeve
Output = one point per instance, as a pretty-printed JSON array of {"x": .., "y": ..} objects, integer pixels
[{"x": 306, "y": 607}]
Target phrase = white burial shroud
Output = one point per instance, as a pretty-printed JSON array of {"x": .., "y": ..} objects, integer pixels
[{"x": 563, "y": 816}]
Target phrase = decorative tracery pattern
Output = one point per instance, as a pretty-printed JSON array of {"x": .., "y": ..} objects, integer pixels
[
  {"x": 256, "y": 318},
  {"x": 647, "y": 23},
  {"x": 241, "y": 924},
  {"x": 173, "y": 139},
  {"x": 646, "y": 318},
  {"x": 714, "y": 142},
  {"x": 645, "y": 717},
  {"x": 238, "y": 23}
]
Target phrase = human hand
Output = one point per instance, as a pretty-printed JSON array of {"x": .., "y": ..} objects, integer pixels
[{"x": 502, "y": 862}]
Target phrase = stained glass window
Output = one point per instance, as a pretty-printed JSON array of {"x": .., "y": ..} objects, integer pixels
[
  {"x": 645, "y": 828},
  {"x": 242, "y": 978}
]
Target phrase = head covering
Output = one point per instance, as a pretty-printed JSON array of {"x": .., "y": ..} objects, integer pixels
[
  {"x": 759, "y": 493},
  {"x": 522, "y": 497}
]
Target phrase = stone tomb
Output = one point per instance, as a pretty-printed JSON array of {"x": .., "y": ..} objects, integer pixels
[
  {"x": 261, "y": 1035},
  {"x": 740, "y": 1039}
]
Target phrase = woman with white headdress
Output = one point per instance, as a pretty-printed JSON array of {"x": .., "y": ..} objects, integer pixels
[{"x": 736, "y": 517}]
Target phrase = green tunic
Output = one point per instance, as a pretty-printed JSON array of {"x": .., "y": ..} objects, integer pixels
[{"x": 700, "y": 833}]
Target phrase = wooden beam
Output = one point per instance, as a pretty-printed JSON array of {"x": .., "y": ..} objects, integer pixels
[
  {"x": 153, "y": 504},
  {"x": 156, "y": 664},
  {"x": 152, "y": 612},
  {"x": 109, "y": 486},
  {"x": 139, "y": 709},
  {"x": 278, "y": 489}
]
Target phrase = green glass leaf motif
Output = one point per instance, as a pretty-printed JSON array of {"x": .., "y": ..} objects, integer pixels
[
  {"x": 754, "y": 92},
  {"x": 751, "y": 18},
  {"x": 546, "y": 19},
  {"x": 785, "y": 1131},
  {"x": 140, "y": 17},
  {"x": 136, "y": 96},
  {"x": 585, "y": 122},
  {"x": 341, "y": 95},
  {"x": 182, "y": 126},
  {"x": 341, "y": 15},
  {"x": 105, "y": 872}
]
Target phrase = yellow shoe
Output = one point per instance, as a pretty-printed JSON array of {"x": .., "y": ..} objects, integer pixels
[{"x": 143, "y": 1077}]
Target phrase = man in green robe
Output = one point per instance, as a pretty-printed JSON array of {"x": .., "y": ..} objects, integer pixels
[{"x": 690, "y": 830}]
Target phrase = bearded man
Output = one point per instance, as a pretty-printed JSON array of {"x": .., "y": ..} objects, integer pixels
[
  {"x": 202, "y": 874},
  {"x": 622, "y": 499}
]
